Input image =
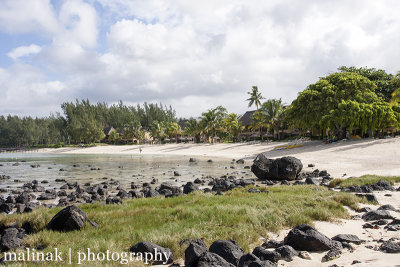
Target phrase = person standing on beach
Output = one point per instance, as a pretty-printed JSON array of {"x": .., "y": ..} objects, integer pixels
[{"x": 140, "y": 149}]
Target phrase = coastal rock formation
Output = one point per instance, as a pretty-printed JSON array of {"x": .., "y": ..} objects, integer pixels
[
  {"x": 305, "y": 237},
  {"x": 11, "y": 238},
  {"x": 148, "y": 247},
  {"x": 194, "y": 251},
  {"x": 376, "y": 215},
  {"x": 286, "y": 168},
  {"x": 68, "y": 219},
  {"x": 227, "y": 249}
]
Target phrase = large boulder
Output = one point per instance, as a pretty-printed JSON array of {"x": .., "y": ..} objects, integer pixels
[
  {"x": 286, "y": 168},
  {"x": 148, "y": 247},
  {"x": 305, "y": 237},
  {"x": 227, "y": 249},
  {"x": 209, "y": 259},
  {"x": 68, "y": 219},
  {"x": 10, "y": 239},
  {"x": 194, "y": 251},
  {"x": 376, "y": 215}
]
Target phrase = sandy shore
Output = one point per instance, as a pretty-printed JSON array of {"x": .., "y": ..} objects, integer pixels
[{"x": 352, "y": 157}]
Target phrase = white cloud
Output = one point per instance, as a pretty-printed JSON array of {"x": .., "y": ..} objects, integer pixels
[
  {"x": 196, "y": 55},
  {"x": 23, "y": 51},
  {"x": 21, "y": 16}
]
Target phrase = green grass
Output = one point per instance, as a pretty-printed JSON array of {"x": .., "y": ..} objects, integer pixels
[
  {"x": 238, "y": 215},
  {"x": 362, "y": 180}
]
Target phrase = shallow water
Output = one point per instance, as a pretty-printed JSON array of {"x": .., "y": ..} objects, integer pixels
[{"x": 124, "y": 168}]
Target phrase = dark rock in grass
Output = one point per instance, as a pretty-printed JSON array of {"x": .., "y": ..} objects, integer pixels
[
  {"x": 387, "y": 207},
  {"x": 285, "y": 182},
  {"x": 285, "y": 168},
  {"x": 10, "y": 239},
  {"x": 30, "y": 206},
  {"x": 190, "y": 187},
  {"x": 93, "y": 224},
  {"x": 6, "y": 207},
  {"x": 347, "y": 238},
  {"x": 286, "y": 252},
  {"x": 20, "y": 207},
  {"x": 10, "y": 199},
  {"x": 222, "y": 185},
  {"x": 369, "y": 197},
  {"x": 68, "y": 219},
  {"x": 194, "y": 251},
  {"x": 376, "y": 215},
  {"x": 382, "y": 185},
  {"x": 272, "y": 244},
  {"x": 305, "y": 237},
  {"x": 151, "y": 193},
  {"x": 390, "y": 247},
  {"x": 136, "y": 194},
  {"x": 113, "y": 200},
  {"x": 174, "y": 189},
  {"x": 311, "y": 181},
  {"x": 209, "y": 259},
  {"x": 227, "y": 249},
  {"x": 148, "y": 247},
  {"x": 254, "y": 190},
  {"x": 123, "y": 194},
  {"x": 264, "y": 254},
  {"x": 331, "y": 255}
]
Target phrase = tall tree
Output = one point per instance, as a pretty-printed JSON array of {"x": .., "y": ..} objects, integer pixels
[
  {"x": 212, "y": 120},
  {"x": 273, "y": 110},
  {"x": 233, "y": 126},
  {"x": 341, "y": 102},
  {"x": 255, "y": 97}
]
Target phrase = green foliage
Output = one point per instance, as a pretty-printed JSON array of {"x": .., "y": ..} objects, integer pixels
[
  {"x": 272, "y": 110},
  {"x": 232, "y": 126},
  {"x": 212, "y": 121},
  {"x": 341, "y": 101},
  {"x": 382, "y": 80}
]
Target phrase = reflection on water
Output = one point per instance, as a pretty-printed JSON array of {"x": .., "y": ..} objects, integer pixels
[{"x": 125, "y": 168}]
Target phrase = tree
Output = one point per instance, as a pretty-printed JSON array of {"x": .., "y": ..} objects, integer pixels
[
  {"x": 233, "y": 126},
  {"x": 259, "y": 121},
  {"x": 173, "y": 130},
  {"x": 212, "y": 120},
  {"x": 193, "y": 129},
  {"x": 382, "y": 80},
  {"x": 395, "y": 98},
  {"x": 255, "y": 97},
  {"x": 341, "y": 102},
  {"x": 157, "y": 131},
  {"x": 114, "y": 136},
  {"x": 273, "y": 110}
]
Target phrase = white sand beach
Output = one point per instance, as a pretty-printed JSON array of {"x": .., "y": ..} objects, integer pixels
[{"x": 352, "y": 157}]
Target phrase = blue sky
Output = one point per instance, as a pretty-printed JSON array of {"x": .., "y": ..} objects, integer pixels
[{"x": 193, "y": 55}]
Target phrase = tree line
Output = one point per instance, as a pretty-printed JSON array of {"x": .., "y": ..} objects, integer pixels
[
  {"x": 81, "y": 122},
  {"x": 349, "y": 101}
]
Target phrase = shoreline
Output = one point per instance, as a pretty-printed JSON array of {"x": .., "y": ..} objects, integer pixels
[{"x": 341, "y": 159}]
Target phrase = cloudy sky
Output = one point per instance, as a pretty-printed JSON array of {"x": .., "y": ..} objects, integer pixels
[{"x": 192, "y": 55}]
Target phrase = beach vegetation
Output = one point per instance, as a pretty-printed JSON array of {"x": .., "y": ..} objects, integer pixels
[
  {"x": 363, "y": 180},
  {"x": 238, "y": 215}
]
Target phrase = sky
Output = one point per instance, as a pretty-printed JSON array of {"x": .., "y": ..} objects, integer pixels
[{"x": 192, "y": 55}]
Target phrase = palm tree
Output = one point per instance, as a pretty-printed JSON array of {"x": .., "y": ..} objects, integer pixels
[
  {"x": 255, "y": 97},
  {"x": 192, "y": 128},
  {"x": 233, "y": 126},
  {"x": 273, "y": 110},
  {"x": 212, "y": 120},
  {"x": 174, "y": 129},
  {"x": 157, "y": 130},
  {"x": 259, "y": 121}
]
